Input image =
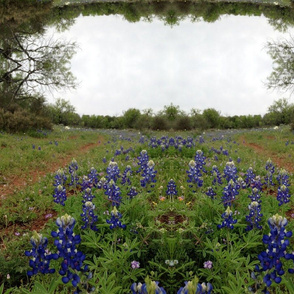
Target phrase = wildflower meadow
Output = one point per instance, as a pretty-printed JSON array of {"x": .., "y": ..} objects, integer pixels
[{"x": 153, "y": 213}]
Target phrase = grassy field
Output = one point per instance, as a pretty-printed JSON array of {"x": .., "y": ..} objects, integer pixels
[{"x": 170, "y": 235}]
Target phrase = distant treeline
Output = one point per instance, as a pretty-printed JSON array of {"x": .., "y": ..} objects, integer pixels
[{"x": 171, "y": 117}]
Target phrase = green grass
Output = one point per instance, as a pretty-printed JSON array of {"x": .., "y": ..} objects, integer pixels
[{"x": 167, "y": 229}]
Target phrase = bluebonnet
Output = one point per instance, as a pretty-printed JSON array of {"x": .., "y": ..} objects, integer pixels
[
  {"x": 143, "y": 161},
  {"x": 112, "y": 171},
  {"x": 171, "y": 189},
  {"x": 200, "y": 160},
  {"x": 152, "y": 142},
  {"x": 255, "y": 196},
  {"x": 217, "y": 178},
  {"x": 113, "y": 192},
  {"x": 189, "y": 142},
  {"x": 194, "y": 175},
  {"x": 132, "y": 192},
  {"x": 283, "y": 177},
  {"x": 59, "y": 195},
  {"x": 283, "y": 195},
  {"x": 102, "y": 184},
  {"x": 66, "y": 242},
  {"x": 40, "y": 261},
  {"x": 210, "y": 192},
  {"x": 270, "y": 168},
  {"x": 147, "y": 287},
  {"x": 249, "y": 176},
  {"x": 240, "y": 184},
  {"x": 228, "y": 220},
  {"x": 201, "y": 140},
  {"x": 229, "y": 193},
  {"x": 195, "y": 288},
  {"x": 148, "y": 176},
  {"x": 256, "y": 183},
  {"x": 60, "y": 178},
  {"x": 225, "y": 152},
  {"x": 277, "y": 244},
  {"x": 142, "y": 139},
  {"x": 230, "y": 171},
  {"x": 88, "y": 216},
  {"x": 115, "y": 219},
  {"x": 73, "y": 167},
  {"x": 254, "y": 216},
  {"x": 93, "y": 176},
  {"x": 87, "y": 195},
  {"x": 86, "y": 183},
  {"x": 126, "y": 177}
]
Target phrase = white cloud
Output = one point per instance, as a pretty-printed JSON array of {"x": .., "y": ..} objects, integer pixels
[{"x": 148, "y": 65}]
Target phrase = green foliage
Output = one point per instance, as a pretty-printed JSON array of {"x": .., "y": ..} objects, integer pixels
[
  {"x": 159, "y": 123},
  {"x": 21, "y": 121},
  {"x": 131, "y": 118},
  {"x": 62, "y": 112},
  {"x": 212, "y": 117}
]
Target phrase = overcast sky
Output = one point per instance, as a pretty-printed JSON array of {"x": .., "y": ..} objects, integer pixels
[{"x": 122, "y": 65}]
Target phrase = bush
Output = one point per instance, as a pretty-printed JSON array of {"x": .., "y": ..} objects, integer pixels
[
  {"x": 159, "y": 123},
  {"x": 183, "y": 123},
  {"x": 21, "y": 121}
]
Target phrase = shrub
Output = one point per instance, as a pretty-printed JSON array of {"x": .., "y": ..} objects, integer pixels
[
  {"x": 159, "y": 123},
  {"x": 183, "y": 123},
  {"x": 21, "y": 120}
]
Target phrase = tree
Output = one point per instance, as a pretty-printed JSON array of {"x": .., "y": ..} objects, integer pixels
[
  {"x": 171, "y": 111},
  {"x": 62, "y": 112},
  {"x": 280, "y": 112},
  {"x": 212, "y": 117},
  {"x": 131, "y": 117},
  {"x": 282, "y": 76},
  {"x": 32, "y": 64}
]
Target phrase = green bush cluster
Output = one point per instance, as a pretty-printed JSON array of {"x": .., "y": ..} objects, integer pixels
[{"x": 22, "y": 120}]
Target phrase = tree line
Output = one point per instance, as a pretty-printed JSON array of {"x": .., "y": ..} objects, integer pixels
[{"x": 171, "y": 118}]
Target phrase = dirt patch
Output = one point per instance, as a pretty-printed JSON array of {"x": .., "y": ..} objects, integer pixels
[
  {"x": 14, "y": 184},
  {"x": 279, "y": 161}
]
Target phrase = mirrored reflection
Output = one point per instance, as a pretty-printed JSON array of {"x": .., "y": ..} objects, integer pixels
[{"x": 35, "y": 63}]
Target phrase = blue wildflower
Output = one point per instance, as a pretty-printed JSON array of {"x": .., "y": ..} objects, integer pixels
[
  {"x": 73, "y": 167},
  {"x": 228, "y": 219},
  {"x": 271, "y": 259},
  {"x": 66, "y": 242},
  {"x": 194, "y": 175},
  {"x": 115, "y": 219},
  {"x": 254, "y": 216},
  {"x": 59, "y": 195},
  {"x": 113, "y": 192},
  {"x": 88, "y": 216},
  {"x": 112, "y": 171},
  {"x": 171, "y": 189},
  {"x": 210, "y": 192},
  {"x": 40, "y": 261},
  {"x": 283, "y": 195},
  {"x": 148, "y": 176},
  {"x": 229, "y": 193},
  {"x": 230, "y": 171}
]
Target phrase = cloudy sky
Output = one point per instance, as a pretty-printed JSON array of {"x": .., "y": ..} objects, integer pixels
[{"x": 121, "y": 65}]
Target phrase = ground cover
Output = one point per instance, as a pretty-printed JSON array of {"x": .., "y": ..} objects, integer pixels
[{"x": 170, "y": 207}]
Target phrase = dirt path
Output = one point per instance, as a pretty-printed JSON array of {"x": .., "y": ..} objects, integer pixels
[
  {"x": 281, "y": 162},
  {"x": 17, "y": 183}
]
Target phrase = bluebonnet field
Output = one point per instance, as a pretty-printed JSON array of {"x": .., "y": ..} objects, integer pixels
[{"x": 165, "y": 214}]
